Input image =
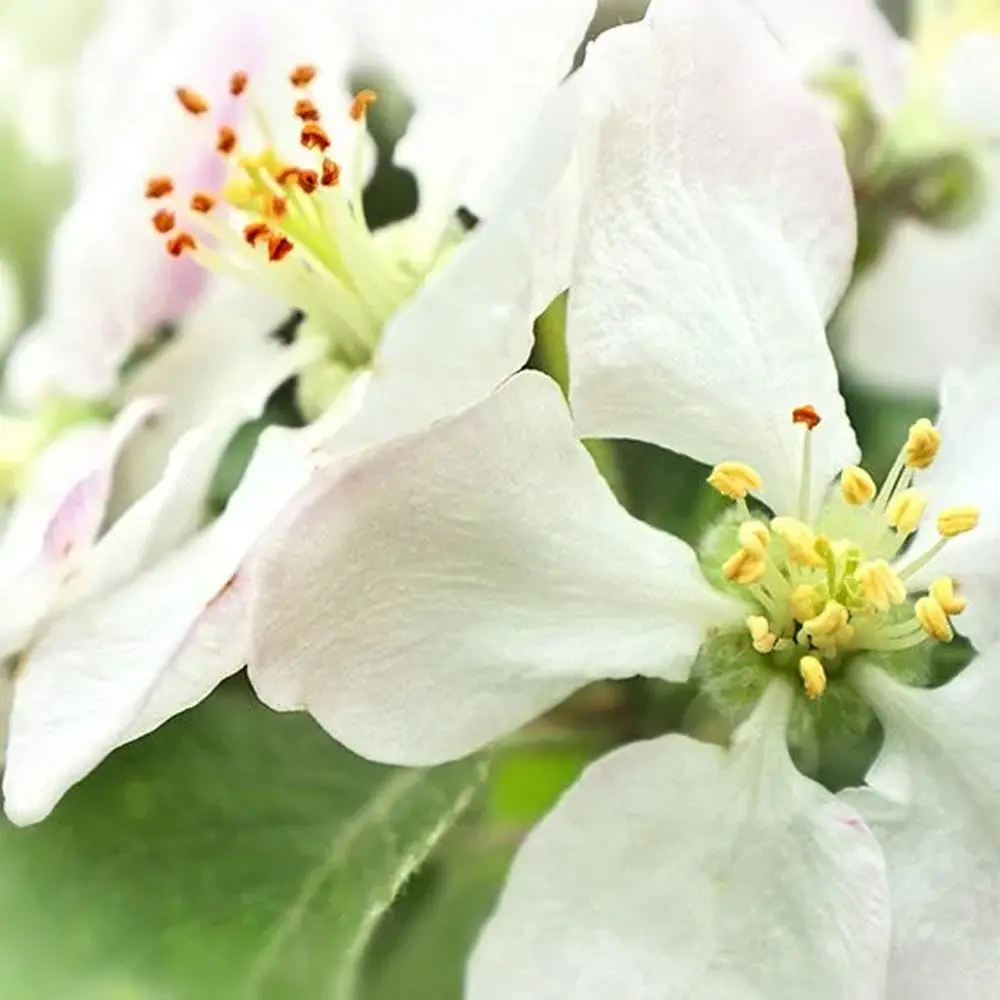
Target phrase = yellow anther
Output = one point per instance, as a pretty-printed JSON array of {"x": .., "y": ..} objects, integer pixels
[
  {"x": 753, "y": 535},
  {"x": 933, "y": 619},
  {"x": 830, "y": 628},
  {"x": 813, "y": 676},
  {"x": 239, "y": 193},
  {"x": 806, "y": 602},
  {"x": 856, "y": 486},
  {"x": 922, "y": 444},
  {"x": 760, "y": 632},
  {"x": 880, "y": 584},
  {"x": 744, "y": 567},
  {"x": 800, "y": 542},
  {"x": 734, "y": 479},
  {"x": 943, "y": 591},
  {"x": 905, "y": 510},
  {"x": 957, "y": 520}
]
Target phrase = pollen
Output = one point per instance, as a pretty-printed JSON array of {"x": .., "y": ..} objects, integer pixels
[
  {"x": 308, "y": 180},
  {"x": 881, "y": 584},
  {"x": 306, "y": 110},
  {"x": 830, "y": 628},
  {"x": 255, "y": 232},
  {"x": 957, "y": 520},
  {"x": 762, "y": 637},
  {"x": 363, "y": 100},
  {"x": 314, "y": 137},
  {"x": 813, "y": 676},
  {"x": 191, "y": 101},
  {"x": 278, "y": 207},
  {"x": 331, "y": 173},
  {"x": 302, "y": 75},
  {"x": 943, "y": 591},
  {"x": 744, "y": 567},
  {"x": 159, "y": 187},
  {"x": 856, "y": 486},
  {"x": 238, "y": 83},
  {"x": 754, "y": 536},
  {"x": 278, "y": 247},
  {"x": 922, "y": 444},
  {"x": 202, "y": 202},
  {"x": 799, "y": 541},
  {"x": 180, "y": 244},
  {"x": 806, "y": 602},
  {"x": 225, "y": 140},
  {"x": 905, "y": 510},
  {"x": 164, "y": 221},
  {"x": 933, "y": 619},
  {"x": 806, "y": 415},
  {"x": 734, "y": 479}
]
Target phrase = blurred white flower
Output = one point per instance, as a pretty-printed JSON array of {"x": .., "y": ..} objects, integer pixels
[
  {"x": 931, "y": 299},
  {"x": 437, "y": 592},
  {"x": 10, "y": 302}
]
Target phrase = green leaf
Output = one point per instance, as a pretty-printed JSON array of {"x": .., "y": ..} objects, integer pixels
[{"x": 235, "y": 853}]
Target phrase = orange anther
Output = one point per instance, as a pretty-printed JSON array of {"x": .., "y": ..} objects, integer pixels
[
  {"x": 164, "y": 221},
  {"x": 238, "y": 83},
  {"x": 202, "y": 202},
  {"x": 306, "y": 110},
  {"x": 308, "y": 180},
  {"x": 302, "y": 76},
  {"x": 363, "y": 100},
  {"x": 314, "y": 137},
  {"x": 159, "y": 187},
  {"x": 225, "y": 141},
  {"x": 806, "y": 415},
  {"x": 331, "y": 173},
  {"x": 278, "y": 247},
  {"x": 191, "y": 101},
  {"x": 178, "y": 244},
  {"x": 287, "y": 175},
  {"x": 255, "y": 232},
  {"x": 278, "y": 207}
]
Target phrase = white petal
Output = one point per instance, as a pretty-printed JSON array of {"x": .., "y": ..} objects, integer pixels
[
  {"x": 431, "y": 595},
  {"x": 940, "y": 841},
  {"x": 10, "y": 303},
  {"x": 114, "y": 668},
  {"x": 719, "y": 235},
  {"x": 476, "y": 74},
  {"x": 821, "y": 35},
  {"x": 676, "y": 869},
  {"x": 964, "y": 473}
]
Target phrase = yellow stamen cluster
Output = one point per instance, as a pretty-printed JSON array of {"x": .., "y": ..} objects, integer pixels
[{"x": 831, "y": 584}]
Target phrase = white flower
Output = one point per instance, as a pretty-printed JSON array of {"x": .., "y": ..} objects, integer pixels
[
  {"x": 930, "y": 299},
  {"x": 439, "y": 591}
]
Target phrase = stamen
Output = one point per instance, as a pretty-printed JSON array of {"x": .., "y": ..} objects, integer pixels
[
  {"x": 744, "y": 567},
  {"x": 806, "y": 415},
  {"x": 164, "y": 221},
  {"x": 225, "y": 141},
  {"x": 278, "y": 207},
  {"x": 922, "y": 445},
  {"x": 306, "y": 110},
  {"x": 943, "y": 591},
  {"x": 813, "y": 676},
  {"x": 314, "y": 137},
  {"x": 760, "y": 632},
  {"x": 255, "y": 232},
  {"x": 287, "y": 175},
  {"x": 905, "y": 510},
  {"x": 806, "y": 602},
  {"x": 363, "y": 100},
  {"x": 880, "y": 584},
  {"x": 159, "y": 187},
  {"x": 192, "y": 102},
  {"x": 180, "y": 244},
  {"x": 933, "y": 619},
  {"x": 331, "y": 173},
  {"x": 734, "y": 480},
  {"x": 202, "y": 202},
  {"x": 810, "y": 419},
  {"x": 957, "y": 521},
  {"x": 308, "y": 180},
  {"x": 753, "y": 535},
  {"x": 799, "y": 541},
  {"x": 302, "y": 76},
  {"x": 278, "y": 247},
  {"x": 830, "y": 627},
  {"x": 856, "y": 486},
  {"x": 238, "y": 83}
]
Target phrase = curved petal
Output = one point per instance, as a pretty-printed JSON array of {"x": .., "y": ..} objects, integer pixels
[
  {"x": 423, "y": 598},
  {"x": 116, "y": 667},
  {"x": 966, "y": 472},
  {"x": 940, "y": 829},
  {"x": 718, "y": 236},
  {"x": 675, "y": 869},
  {"x": 821, "y": 35},
  {"x": 476, "y": 74}
]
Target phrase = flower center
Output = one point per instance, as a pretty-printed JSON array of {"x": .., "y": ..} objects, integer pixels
[
  {"x": 295, "y": 226},
  {"x": 824, "y": 588}
]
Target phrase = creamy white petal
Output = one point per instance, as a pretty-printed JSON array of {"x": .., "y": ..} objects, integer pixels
[
  {"x": 940, "y": 830},
  {"x": 822, "y": 35},
  {"x": 675, "y": 869},
  {"x": 425, "y": 597},
  {"x": 967, "y": 472},
  {"x": 114, "y": 668},
  {"x": 476, "y": 73},
  {"x": 718, "y": 236}
]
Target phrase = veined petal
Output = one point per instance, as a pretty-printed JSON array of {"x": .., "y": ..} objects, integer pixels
[
  {"x": 939, "y": 829},
  {"x": 476, "y": 74},
  {"x": 965, "y": 473},
  {"x": 115, "y": 667},
  {"x": 677, "y": 869},
  {"x": 423, "y": 598},
  {"x": 718, "y": 236}
]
